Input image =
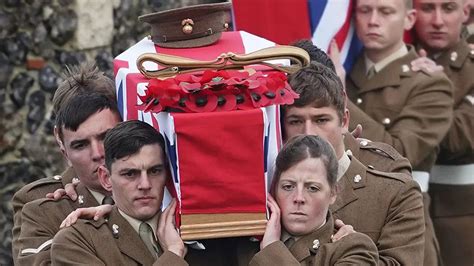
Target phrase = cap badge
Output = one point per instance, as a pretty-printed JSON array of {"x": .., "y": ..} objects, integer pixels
[{"x": 187, "y": 26}]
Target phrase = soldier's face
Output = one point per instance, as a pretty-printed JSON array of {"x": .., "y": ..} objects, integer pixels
[
  {"x": 84, "y": 148},
  {"x": 439, "y": 23},
  {"x": 304, "y": 195},
  {"x": 319, "y": 121},
  {"x": 380, "y": 24},
  {"x": 137, "y": 182}
]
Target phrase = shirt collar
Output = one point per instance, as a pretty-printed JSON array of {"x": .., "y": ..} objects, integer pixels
[
  {"x": 387, "y": 60},
  {"x": 343, "y": 165},
  {"x": 135, "y": 223},
  {"x": 99, "y": 197}
]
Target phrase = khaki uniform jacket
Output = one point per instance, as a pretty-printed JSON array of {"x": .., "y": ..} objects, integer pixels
[
  {"x": 453, "y": 215},
  {"x": 458, "y": 145},
  {"x": 411, "y": 111},
  {"x": 40, "y": 223},
  {"x": 32, "y": 191},
  {"x": 388, "y": 208},
  {"x": 95, "y": 243},
  {"x": 377, "y": 155},
  {"x": 354, "y": 249}
]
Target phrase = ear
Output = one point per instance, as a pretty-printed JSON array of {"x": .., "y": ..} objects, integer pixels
[
  {"x": 104, "y": 178},
  {"x": 346, "y": 116},
  {"x": 333, "y": 196},
  {"x": 466, "y": 11},
  {"x": 410, "y": 19},
  {"x": 58, "y": 140}
]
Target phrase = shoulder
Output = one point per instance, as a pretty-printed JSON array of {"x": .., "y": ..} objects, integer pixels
[
  {"x": 390, "y": 177},
  {"x": 84, "y": 229},
  {"x": 382, "y": 154},
  {"x": 39, "y": 188},
  {"x": 36, "y": 190}
]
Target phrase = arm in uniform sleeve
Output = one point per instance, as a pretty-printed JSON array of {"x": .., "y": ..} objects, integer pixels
[
  {"x": 460, "y": 137},
  {"x": 274, "y": 254},
  {"x": 421, "y": 125},
  {"x": 37, "y": 231},
  {"x": 356, "y": 249},
  {"x": 169, "y": 258},
  {"x": 401, "y": 241}
]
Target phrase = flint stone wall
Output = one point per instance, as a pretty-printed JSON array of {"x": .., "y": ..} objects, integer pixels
[{"x": 37, "y": 39}]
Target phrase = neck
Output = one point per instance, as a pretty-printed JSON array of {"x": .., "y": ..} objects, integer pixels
[{"x": 376, "y": 55}]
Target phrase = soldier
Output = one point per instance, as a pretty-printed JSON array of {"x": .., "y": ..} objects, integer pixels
[
  {"x": 411, "y": 111},
  {"x": 85, "y": 78},
  {"x": 376, "y": 203},
  {"x": 438, "y": 28},
  {"x": 81, "y": 126},
  {"x": 378, "y": 155},
  {"x": 135, "y": 173},
  {"x": 304, "y": 185}
]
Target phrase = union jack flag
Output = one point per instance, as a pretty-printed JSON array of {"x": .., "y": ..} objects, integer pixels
[
  {"x": 259, "y": 156},
  {"x": 285, "y": 21}
]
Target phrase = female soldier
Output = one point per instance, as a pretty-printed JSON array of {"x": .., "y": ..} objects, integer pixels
[{"x": 300, "y": 227}]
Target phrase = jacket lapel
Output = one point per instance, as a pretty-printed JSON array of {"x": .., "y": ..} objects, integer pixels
[
  {"x": 305, "y": 246},
  {"x": 354, "y": 178},
  {"x": 127, "y": 240},
  {"x": 84, "y": 197},
  {"x": 455, "y": 56},
  {"x": 389, "y": 76}
]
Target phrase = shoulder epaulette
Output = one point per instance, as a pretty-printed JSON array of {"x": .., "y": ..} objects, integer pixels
[{"x": 393, "y": 175}]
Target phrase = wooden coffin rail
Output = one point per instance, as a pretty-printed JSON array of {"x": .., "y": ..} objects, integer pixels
[{"x": 205, "y": 226}]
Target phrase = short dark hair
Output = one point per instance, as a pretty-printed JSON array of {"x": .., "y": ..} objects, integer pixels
[
  {"x": 319, "y": 86},
  {"x": 127, "y": 138},
  {"x": 315, "y": 54},
  {"x": 302, "y": 147},
  {"x": 84, "y": 78},
  {"x": 80, "y": 108}
]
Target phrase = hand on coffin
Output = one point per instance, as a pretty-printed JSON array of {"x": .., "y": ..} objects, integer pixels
[
  {"x": 425, "y": 63},
  {"x": 69, "y": 191},
  {"x": 87, "y": 213},
  {"x": 273, "y": 229},
  {"x": 342, "y": 230},
  {"x": 167, "y": 234}
]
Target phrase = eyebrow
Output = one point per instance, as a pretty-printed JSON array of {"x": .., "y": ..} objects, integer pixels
[{"x": 159, "y": 165}]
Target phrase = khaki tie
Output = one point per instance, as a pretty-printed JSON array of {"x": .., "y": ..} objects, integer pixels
[
  {"x": 108, "y": 200},
  {"x": 146, "y": 234},
  {"x": 289, "y": 242},
  {"x": 371, "y": 72}
]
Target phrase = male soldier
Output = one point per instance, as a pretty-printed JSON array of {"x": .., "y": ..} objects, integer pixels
[
  {"x": 411, "y": 111},
  {"x": 379, "y": 155},
  {"x": 385, "y": 206},
  {"x": 438, "y": 28},
  {"x": 135, "y": 173},
  {"x": 85, "y": 78},
  {"x": 81, "y": 125}
]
